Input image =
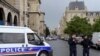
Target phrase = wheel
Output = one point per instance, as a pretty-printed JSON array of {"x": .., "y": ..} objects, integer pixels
[{"x": 43, "y": 54}]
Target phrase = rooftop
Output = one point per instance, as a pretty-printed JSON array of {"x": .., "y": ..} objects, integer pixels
[
  {"x": 15, "y": 29},
  {"x": 77, "y": 4}
]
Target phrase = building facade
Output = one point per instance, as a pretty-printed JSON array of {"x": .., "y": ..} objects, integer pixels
[
  {"x": 9, "y": 15},
  {"x": 36, "y": 17},
  {"x": 22, "y": 13},
  {"x": 42, "y": 26},
  {"x": 78, "y": 8}
]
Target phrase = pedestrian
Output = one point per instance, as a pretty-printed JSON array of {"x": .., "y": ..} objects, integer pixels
[
  {"x": 72, "y": 45},
  {"x": 86, "y": 43}
]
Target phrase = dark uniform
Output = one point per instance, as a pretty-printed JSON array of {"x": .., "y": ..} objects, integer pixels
[
  {"x": 86, "y": 46},
  {"x": 72, "y": 47}
]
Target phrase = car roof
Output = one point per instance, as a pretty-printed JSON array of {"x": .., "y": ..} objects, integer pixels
[{"x": 15, "y": 29}]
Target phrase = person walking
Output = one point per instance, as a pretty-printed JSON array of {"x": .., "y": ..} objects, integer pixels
[
  {"x": 86, "y": 43},
  {"x": 72, "y": 45}
]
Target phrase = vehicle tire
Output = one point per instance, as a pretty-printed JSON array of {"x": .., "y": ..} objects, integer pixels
[{"x": 43, "y": 54}]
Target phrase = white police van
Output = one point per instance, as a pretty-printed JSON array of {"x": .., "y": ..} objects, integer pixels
[{"x": 22, "y": 41}]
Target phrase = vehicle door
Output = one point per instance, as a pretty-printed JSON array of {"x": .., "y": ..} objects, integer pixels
[
  {"x": 11, "y": 43},
  {"x": 34, "y": 42}
]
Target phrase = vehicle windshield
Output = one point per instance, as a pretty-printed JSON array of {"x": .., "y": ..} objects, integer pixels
[{"x": 12, "y": 38}]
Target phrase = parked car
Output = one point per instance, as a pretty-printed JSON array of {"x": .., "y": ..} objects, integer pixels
[
  {"x": 96, "y": 39},
  {"x": 51, "y": 38},
  {"x": 65, "y": 37}
]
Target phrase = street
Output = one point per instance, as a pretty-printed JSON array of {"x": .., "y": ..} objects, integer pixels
[{"x": 61, "y": 48}]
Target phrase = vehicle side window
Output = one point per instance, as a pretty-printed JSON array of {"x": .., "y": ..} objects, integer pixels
[
  {"x": 32, "y": 38},
  {"x": 36, "y": 37},
  {"x": 12, "y": 38}
]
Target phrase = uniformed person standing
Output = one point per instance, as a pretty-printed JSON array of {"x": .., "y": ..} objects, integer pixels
[
  {"x": 72, "y": 45},
  {"x": 86, "y": 43}
]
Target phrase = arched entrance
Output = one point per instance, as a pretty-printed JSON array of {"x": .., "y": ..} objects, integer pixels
[
  {"x": 15, "y": 20},
  {"x": 9, "y": 19},
  {"x": 2, "y": 16}
]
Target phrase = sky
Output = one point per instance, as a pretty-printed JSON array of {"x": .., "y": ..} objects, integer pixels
[{"x": 54, "y": 10}]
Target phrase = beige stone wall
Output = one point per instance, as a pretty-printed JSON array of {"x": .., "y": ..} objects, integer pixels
[
  {"x": 62, "y": 26},
  {"x": 12, "y": 2},
  {"x": 41, "y": 24},
  {"x": 92, "y": 16},
  {"x": 33, "y": 21},
  {"x": 71, "y": 13},
  {"x": 34, "y": 13},
  {"x": 21, "y": 5},
  {"x": 34, "y": 5},
  {"x": 7, "y": 8},
  {"x": 15, "y": 3},
  {"x": 30, "y": 14}
]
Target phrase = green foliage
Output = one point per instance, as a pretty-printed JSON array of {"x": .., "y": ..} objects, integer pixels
[
  {"x": 96, "y": 26},
  {"x": 47, "y": 31},
  {"x": 78, "y": 25}
]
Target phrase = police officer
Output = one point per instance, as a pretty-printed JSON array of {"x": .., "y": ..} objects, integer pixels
[
  {"x": 86, "y": 43},
  {"x": 72, "y": 45}
]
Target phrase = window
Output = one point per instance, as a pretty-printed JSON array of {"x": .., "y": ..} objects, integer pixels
[
  {"x": 12, "y": 38},
  {"x": 33, "y": 38},
  {"x": 97, "y": 14},
  {"x": 91, "y": 14},
  {"x": 94, "y": 20},
  {"x": 86, "y": 14}
]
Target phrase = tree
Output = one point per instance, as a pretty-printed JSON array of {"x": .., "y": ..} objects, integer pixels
[
  {"x": 79, "y": 26},
  {"x": 96, "y": 26},
  {"x": 47, "y": 32}
]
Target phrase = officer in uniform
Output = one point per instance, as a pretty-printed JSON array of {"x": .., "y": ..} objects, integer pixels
[
  {"x": 72, "y": 45},
  {"x": 86, "y": 43}
]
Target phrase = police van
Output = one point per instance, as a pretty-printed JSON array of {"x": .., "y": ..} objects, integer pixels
[{"x": 22, "y": 41}]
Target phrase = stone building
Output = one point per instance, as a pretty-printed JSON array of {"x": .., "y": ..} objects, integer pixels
[
  {"x": 36, "y": 17},
  {"x": 9, "y": 15},
  {"x": 62, "y": 26},
  {"x": 22, "y": 13},
  {"x": 78, "y": 8},
  {"x": 21, "y": 6},
  {"x": 42, "y": 24},
  {"x": 34, "y": 14}
]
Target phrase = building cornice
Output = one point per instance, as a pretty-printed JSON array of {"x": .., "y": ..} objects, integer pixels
[
  {"x": 34, "y": 13},
  {"x": 9, "y": 6},
  {"x": 37, "y": 13},
  {"x": 42, "y": 21},
  {"x": 42, "y": 13},
  {"x": 74, "y": 11},
  {"x": 93, "y": 11}
]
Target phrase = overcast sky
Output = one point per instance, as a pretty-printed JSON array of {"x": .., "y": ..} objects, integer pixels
[{"x": 54, "y": 9}]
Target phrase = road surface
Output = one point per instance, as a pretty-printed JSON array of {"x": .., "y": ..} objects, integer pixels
[{"x": 61, "y": 48}]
